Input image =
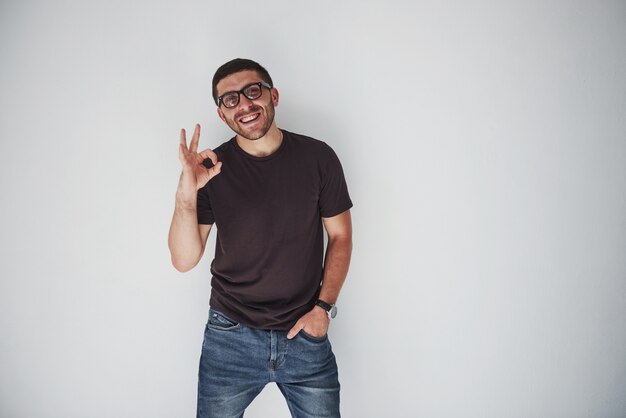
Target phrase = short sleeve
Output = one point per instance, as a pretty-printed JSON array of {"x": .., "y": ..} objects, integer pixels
[
  {"x": 334, "y": 198},
  {"x": 203, "y": 207}
]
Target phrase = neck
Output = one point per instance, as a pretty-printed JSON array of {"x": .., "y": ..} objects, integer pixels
[{"x": 264, "y": 146}]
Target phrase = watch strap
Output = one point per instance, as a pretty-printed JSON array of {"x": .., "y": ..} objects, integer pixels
[{"x": 324, "y": 305}]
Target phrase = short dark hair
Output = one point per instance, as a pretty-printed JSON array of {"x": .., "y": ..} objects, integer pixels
[{"x": 236, "y": 65}]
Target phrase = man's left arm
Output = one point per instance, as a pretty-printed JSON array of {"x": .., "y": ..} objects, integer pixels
[{"x": 336, "y": 263}]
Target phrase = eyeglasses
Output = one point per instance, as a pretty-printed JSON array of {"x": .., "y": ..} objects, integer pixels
[{"x": 251, "y": 91}]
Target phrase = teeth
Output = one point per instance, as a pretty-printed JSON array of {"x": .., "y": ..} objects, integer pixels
[{"x": 249, "y": 118}]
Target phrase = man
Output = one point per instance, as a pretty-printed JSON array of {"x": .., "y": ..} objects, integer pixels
[{"x": 270, "y": 193}]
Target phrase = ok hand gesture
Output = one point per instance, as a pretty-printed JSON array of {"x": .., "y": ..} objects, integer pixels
[{"x": 195, "y": 175}]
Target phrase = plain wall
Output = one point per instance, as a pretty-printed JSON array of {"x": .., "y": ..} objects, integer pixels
[{"x": 484, "y": 144}]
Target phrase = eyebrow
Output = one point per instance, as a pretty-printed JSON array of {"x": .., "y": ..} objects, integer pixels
[{"x": 245, "y": 85}]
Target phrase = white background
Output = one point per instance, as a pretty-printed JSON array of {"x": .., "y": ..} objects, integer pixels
[{"x": 484, "y": 144}]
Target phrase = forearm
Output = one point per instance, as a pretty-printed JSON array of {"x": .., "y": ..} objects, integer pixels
[
  {"x": 185, "y": 242},
  {"x": 338, "y": 253},
  {"x": 336, "y": 266}
]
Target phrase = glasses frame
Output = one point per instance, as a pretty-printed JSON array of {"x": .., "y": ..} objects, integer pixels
[{"x": 240, "y": 92}]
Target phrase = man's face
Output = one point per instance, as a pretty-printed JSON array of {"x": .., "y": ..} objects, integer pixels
[{"x": 250, "y": 119}]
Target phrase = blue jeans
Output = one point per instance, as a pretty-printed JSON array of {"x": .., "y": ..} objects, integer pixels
[{"x": 237, "y": 362}]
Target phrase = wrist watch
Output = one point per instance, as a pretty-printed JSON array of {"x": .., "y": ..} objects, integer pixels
[{"x": 331, "y": 310}]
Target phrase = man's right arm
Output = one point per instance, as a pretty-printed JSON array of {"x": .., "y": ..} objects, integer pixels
[{"x": 187, "y": 238}]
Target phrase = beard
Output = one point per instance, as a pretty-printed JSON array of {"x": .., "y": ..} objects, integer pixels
[{"x": 252, "y": 134}]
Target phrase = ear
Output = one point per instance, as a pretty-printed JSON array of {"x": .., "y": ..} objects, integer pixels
[
  {"x": 221, "y": 115},
  {"x": 275, "y": 96}
]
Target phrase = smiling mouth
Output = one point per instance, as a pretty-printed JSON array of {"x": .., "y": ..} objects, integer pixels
[{"x": 249, "y": 118}]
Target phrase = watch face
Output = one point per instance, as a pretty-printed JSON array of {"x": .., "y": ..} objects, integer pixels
[{"x": 333, "y": 312}]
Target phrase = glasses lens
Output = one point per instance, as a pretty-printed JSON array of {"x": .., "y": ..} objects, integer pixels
[
  {"x": 252, "y": 92},
  {"x": 230, "y": 99}
]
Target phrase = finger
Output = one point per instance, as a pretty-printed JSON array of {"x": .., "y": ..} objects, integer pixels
[
  {"x": 295, "y": 330},
  {"x": 183, "y": 140},
  {"x": 215, "y": 170},
  {"x": 208, "y": 153},
  {"x": 193, "y": 147}
]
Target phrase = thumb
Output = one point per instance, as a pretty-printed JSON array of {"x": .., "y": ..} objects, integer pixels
[{"x": 295, "y": 330}]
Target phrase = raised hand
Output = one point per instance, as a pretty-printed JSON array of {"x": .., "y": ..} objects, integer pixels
[{"x": 194, "y": 175}]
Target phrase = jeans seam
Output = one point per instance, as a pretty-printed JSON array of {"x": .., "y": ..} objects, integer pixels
[
  {"x": 220, "y": 328},
  {"x": 284, "y": 359},
  {"x": 288, "y": 399}
]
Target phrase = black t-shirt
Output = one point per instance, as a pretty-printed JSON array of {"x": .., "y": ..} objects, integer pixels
[{"x": 269, "y": 251}]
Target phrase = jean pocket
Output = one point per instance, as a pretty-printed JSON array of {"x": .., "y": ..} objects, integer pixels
[
  {"x": 218, "y": 320},
  {"x": 311, "y": 338}
]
